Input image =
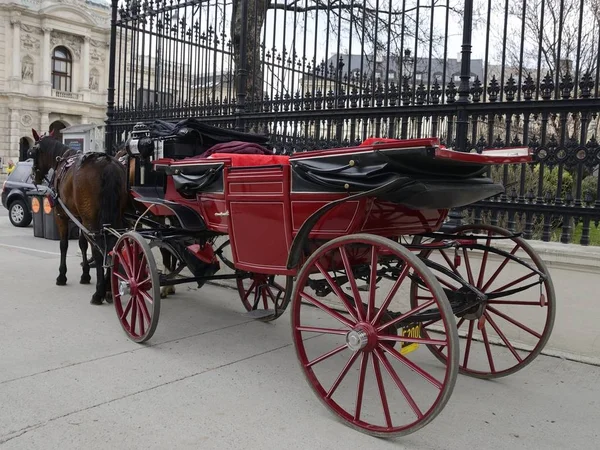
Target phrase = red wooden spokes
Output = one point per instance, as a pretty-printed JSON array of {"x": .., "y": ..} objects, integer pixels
[
  {"x": 267, "y": 294},
  {"x": 509, "y": 330},
  {"x": 135, "y": 287},
  {"x": 354, "y": 339}
]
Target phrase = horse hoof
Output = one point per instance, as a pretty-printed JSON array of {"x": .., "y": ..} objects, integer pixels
[
  {"x": 61, "y": 281},
  {"x": 96, "y": 300},
  {"x": 85, "y": 280},
  {"x": 108, "y": 298}
]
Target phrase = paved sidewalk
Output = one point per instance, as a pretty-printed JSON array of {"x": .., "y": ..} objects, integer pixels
[{"x": 212, "y": 379}]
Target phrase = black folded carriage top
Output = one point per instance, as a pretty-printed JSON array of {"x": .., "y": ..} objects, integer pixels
[{"x": 422, "y": 181}]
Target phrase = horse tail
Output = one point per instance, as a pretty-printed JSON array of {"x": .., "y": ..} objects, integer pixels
[{"x": 111, "y": 195}]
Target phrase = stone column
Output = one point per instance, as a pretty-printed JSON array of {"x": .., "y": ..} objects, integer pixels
[
  {"x": 16, "y": 47},
  {"x": 44, "y": 121},
  {"x": 46, "y": 67},
  {"x": 85, "y": 69},
  {"x": 14, "y": 131}
]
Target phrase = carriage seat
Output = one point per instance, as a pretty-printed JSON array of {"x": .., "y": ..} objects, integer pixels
[{"x": 189, "y": 178}]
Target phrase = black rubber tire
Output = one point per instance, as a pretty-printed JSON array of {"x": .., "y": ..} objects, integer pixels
[{"x": 19, "y": 214}]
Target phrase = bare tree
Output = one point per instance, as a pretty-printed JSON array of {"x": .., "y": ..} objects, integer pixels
[{"x": 383, "y": 27}]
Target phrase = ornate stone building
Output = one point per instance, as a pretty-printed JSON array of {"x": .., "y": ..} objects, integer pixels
[{"x": 53, "y": 68}]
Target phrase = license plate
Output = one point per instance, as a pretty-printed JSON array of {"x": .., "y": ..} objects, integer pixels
[{"x": 412, "y": 331}]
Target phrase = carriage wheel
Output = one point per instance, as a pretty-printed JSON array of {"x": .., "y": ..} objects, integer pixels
[
  {"x": 265, "y": 296},
  {"x": 135, "y": 287},
  {"x": 506, "y": 333},
  {"x": 365, "y": 360}
]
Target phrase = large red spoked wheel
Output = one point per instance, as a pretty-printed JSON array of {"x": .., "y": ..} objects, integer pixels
[
  {"x": 135, "y": 286},
  {"x": 504, "y": 334},
  {"x": 359, "y": 344},
  {"x": 265, "y": 296}
]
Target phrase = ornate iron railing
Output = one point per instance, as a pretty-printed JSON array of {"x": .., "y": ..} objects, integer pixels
[{"x": 316, "y": 74}]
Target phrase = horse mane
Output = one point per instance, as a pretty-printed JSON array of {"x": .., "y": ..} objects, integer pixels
[{"x": 54, "y": 148}]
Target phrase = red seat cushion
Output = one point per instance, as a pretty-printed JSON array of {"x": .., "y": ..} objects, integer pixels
[{"x": 241, "y": 159}]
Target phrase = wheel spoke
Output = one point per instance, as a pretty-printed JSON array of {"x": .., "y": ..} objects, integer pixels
[
  {"x": 322, "y": 330},
  {"x": 450, "y": 263},
  {"x": 249, "y": 291},
  {"x": 510, "y": 302},
  {"x": 380, "y": 385},
  {"x": 335, "y": 287},
  {"x": 355, "y": 293},
  {"x": 127, "y": 308},
  {"x": 342, "y": 374},
  {"x": 511, "y": 284},
  {"x": 514, "y": 322},
  {"x": 499, "y": 269},
  {"x": 134, "y": 255},
  {"x": 327, "y": 355},
  {"x": 361, "y": 385},
  {"x": 128, "y": 260},
  {"x": 144, "y": 309},
  {"x": 141, "y": 320},
  {"x": 411, "y": 365},
  {"x": 488, "y": 350},
  {"x": 469, "y": 340},
  {"x": 147, "y": 297},
  {"x": 119, "y": 276},
  {"x": 503, "y": 337},
  {"x": 132, "y": 322},
  {"x": 372, "y": 283},
  {"x": 390, "y": 370},
  {"x": 468, "y": 266},
  {"x": 263, "y": 294},
  {"x": 391, "y": 295},
  {"x": 484, "y": 260},
  {"x": 327, "y": 309},
  {"x": 404, "y": 316}
]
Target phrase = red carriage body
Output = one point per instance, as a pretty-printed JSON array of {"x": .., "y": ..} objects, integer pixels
[{"x": 259, "y": 202}]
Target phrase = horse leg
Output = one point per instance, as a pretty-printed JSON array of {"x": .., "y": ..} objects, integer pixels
[
  {"x": 108, "y": 298},
  {"x": 99, "y": 295},
  {"x": 169, "y": 262},
  {"x": 62, "y": 224},
  {"x": 83, "y": 245}
]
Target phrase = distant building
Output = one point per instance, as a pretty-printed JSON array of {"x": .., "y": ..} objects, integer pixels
[
  {"x": 53, "y": 70},
  {"x": 390, "y": 69}
]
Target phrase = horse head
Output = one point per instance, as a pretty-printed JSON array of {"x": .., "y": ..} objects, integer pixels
[{"x": 43, "y": 159}]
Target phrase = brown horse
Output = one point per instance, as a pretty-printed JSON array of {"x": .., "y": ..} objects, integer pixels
[{"x": 93, "y": 189}]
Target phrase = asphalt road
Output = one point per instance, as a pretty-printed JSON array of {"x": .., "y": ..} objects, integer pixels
[{"x": 212, "y": 379}]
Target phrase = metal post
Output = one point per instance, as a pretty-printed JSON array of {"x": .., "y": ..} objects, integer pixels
[
  {"x": 242, "y": 71},
  {"x": 110, "y": 109},
  {"x": 464, "y": 89},
  {"x": 462, "y": 122}
]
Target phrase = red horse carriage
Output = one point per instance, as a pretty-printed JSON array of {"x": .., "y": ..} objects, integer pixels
[{"x": 386, "y": 309}]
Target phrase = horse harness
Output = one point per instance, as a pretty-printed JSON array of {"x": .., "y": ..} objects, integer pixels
[{"x": 63, "y": 166}]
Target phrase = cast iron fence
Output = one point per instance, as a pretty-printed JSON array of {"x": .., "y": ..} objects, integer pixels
[{"x": 317, "y": 74}]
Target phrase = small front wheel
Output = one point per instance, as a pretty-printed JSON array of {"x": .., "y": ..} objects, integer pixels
[{"x": 135, "y": 286}]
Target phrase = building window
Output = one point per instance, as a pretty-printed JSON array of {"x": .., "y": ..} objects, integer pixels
[{"x": 62, "y": 67}]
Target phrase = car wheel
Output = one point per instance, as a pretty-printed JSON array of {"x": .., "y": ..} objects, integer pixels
[{"x": 19, "y": 214}]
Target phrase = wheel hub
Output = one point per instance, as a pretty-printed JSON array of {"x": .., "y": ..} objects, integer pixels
[
  {"x": 357, "y": 340},
  {"x": 124, "y": 288}
]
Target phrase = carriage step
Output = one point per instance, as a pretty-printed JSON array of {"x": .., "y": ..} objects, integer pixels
[{"x": 259, "y": 313}]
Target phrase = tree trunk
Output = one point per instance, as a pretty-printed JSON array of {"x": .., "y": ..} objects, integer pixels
[{"x": 257, "y": 11}]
